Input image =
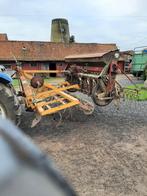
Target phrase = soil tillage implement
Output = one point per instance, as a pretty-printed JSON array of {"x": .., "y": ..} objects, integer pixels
[
  {"x": 44, "y": 98},
  {"x": 108, "y": 88},
  {"x": 103, "y": 87}
]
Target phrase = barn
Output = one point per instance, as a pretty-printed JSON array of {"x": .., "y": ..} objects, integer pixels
[{"x": 44, "y": 55}]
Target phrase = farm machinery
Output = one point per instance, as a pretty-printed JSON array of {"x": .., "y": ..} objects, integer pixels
[
  {"x": 139, "y": 62},
  {"x": 101, "y": 87},
  {"x": 44, "y": 98},
  {"x": 9, "y": 103},
  {"x": 36, "y": 95}
]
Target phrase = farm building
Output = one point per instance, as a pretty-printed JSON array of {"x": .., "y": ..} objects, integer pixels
[
  {"x": 44, "y": 55},
  {"x": 124, "y": 60}
]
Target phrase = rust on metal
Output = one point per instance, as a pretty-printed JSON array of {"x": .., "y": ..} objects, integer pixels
[
  {"x": 87, "y": 56},
  {"x": 91, "y": 57}
]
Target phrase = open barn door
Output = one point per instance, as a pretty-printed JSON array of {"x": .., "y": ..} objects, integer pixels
[{"x": 52, "y": 67}]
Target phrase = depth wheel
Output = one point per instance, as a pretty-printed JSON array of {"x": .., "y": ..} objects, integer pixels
[{"x": 97, "y": 91}]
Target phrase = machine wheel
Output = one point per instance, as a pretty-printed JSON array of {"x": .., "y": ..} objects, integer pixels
[
  {"x": 8, "y": 109},
  {"x": 98, "y": 90}
]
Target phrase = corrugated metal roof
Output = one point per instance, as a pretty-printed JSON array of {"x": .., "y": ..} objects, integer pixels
[{"x": 48, "y": 51}]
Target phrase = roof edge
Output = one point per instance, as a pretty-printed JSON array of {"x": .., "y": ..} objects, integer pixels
[{"x": 60, "y": 43}]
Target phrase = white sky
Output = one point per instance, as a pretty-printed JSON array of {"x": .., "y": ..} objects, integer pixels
[{"x": 123, "y": 22}]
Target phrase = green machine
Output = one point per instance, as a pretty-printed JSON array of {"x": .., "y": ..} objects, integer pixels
[{"x": 139, "y": 62}]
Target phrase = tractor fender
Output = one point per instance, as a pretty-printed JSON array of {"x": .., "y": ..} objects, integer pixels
[
  {"x": 5, "y": 78},
  {"x": 5, "y": 83}
]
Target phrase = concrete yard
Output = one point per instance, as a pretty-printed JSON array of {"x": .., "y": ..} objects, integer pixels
[{"x": 102, "y": 154}]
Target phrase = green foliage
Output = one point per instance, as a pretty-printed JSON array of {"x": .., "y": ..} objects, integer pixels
[{"x": 133, "y": 93}]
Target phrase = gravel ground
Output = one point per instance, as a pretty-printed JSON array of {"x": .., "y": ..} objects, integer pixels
[{"x": 101, "y": 154}]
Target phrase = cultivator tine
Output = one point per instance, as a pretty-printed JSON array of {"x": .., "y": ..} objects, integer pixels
[
  {"x": 86, "y": 106},
  {"x": 36, "y": 120},
  {"x": 131, "y": 103}
]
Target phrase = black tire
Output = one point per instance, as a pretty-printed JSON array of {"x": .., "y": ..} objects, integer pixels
[
  {"x": 97, "y": 89},
  {"x": 7, "y": 104}
]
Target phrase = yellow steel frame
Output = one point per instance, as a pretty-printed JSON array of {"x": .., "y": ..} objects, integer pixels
[{"x": 48, "y": 99}]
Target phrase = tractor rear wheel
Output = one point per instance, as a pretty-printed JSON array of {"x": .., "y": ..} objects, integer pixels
[{"x": 8, "y": 107}]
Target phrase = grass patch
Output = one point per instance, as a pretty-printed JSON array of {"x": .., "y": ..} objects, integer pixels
[
  {"x": 15, "y": 83},
  {"x": 138, "y": 92}
]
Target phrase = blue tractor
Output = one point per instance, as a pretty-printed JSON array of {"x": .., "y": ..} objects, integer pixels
[{"x": 9, "y": 103}]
